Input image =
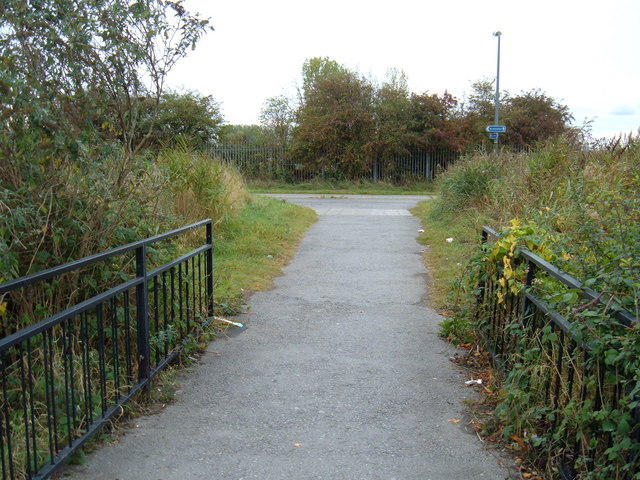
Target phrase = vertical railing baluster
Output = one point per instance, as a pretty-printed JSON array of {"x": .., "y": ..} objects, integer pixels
[
  {"x": 25, "y": 413},
  {"x": 200, "y": 287},
  {"x": 3, "y": 421},
  {"x": 51, "y": 376},
  {"x": 165, "y": 320},
  {"x": 142, "y": 314},
  {"x": 115, "y": 350},
  {"x": 101, "y": 360},
  {"x": 173, "y": 300},
  {"x": 156, "y": 320},
  {"x": 127, "y": 338},
  {"x": 194, "y": 310},
  {"x": 32, "y": 406},
  {"x": 187, "y": 317},
  {"x": 8, "y": 429},
  {"x": 558, "y": 372},
  {"x": 209, "y": 269},
  {"x": 67, "y": 393},
  {"x": 86, "y": 369},
  {"x": 180, "y": 301},
  {"x": 529, "y": 278},
  {"x": 73, "y": 380}
]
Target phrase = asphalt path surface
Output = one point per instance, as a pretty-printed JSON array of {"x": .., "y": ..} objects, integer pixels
[{"x": 339, "y": 373}]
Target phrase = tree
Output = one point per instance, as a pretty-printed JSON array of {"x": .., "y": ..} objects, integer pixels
[
  {"x": 434, "y": 122},
  {"x": 335, "y": 119},
  {"x": 529, "y": 117},
  {"x": 534, "y": 116},
  {"x": 244, "y": 134},
  {"x": 479, "y": 111},
  {"x": 316, "y": 68},
  {"x": 277, "y": 117},
  {"x": 392, "y": 115},
  {"x": 75, "y": 78},
  {"x": 186, "y": 119}
]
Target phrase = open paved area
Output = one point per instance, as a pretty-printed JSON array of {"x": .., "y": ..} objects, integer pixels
[{"x": 338, "y": 375}]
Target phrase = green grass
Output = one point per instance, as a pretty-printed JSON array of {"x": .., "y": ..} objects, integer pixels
[
  {"x": 343, "y": 187},
  {"x": 253, "y": 247},
  {"x": 446, "y": 261},
  {"x": 451, "y": 242}
]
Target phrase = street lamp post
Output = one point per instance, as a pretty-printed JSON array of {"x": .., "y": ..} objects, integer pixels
[{"x": 496, "y": 120}]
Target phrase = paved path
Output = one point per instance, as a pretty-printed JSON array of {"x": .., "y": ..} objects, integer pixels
[{"x": 339, "y": 374}]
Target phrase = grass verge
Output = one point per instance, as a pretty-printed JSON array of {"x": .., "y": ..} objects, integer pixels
[
  {"x": 252, "y": 248},
  {"x": 450, "y": 243},
  {"x": 343, "y": 187}
]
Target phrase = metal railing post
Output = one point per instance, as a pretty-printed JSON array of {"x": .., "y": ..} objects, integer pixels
[
  {"x": 142, "y": 315},
  {"x": 530, "y": 276},
  {"x": 209, "y": 272},
  {"x": 482, "y": 285}
]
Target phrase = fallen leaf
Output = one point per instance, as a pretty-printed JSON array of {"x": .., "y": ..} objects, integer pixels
[
  {"x": 297, "y": 444},
  {"x": 454, "y": 420}
]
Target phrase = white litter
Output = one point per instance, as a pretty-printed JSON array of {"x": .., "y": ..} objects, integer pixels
[
  {"x": 474, "y": 382},
  {"x": 235, "y": 324}
]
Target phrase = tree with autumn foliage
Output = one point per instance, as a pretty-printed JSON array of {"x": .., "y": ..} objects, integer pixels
[
  {"x": 532, "y": 117},
  {"x": 435, "y": 122},
  {"x": 335, "y": 119},
  {"x": 345, "y": 124}
]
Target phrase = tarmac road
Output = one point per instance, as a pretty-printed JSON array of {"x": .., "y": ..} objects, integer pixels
[{"x": 338, "y": 375}]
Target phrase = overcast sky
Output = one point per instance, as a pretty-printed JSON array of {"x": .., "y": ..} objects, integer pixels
[{"x": 584, "y": 53}]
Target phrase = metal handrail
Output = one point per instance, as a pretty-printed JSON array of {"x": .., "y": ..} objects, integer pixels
[
  {"x": 86, "y": 261},
  {"x": 622, "y": 315},
  {"x": 100, "y": 333},
  {"x": 566, "y": 355}
]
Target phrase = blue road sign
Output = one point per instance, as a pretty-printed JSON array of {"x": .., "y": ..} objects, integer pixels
[
  {"x": 496, "y": 128},
  {"x": 493, "y": 136}
]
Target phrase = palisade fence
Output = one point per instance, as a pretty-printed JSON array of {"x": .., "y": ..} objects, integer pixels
[
  {"x": 64, "y": 376},
  {"x": 569, "y": 377},
  {"x": 258, "y": 162}
]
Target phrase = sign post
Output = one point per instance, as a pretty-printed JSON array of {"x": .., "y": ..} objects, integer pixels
[{"x": 497, "y": 100}]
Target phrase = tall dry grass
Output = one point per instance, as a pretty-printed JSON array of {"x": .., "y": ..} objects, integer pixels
[{"x": 197, "y": 186}]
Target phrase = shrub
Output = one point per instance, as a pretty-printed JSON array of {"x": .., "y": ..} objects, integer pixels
[{"x": 579, "y": 209}]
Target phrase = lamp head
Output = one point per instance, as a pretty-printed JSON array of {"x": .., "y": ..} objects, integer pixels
[{"x": 497, "y": 34}]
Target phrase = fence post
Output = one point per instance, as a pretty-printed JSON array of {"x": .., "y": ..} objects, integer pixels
[
  {"x": 209, "y": 272},
  {"x": 142, "y": 314},
  {"x": 376, "y": 175},
  {"x": 427, "y": 166}
]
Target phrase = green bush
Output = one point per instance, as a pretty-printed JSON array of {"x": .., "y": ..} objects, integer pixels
[
  {"x": 579, "y": 209},
  {"x": 466, "y": 184}
]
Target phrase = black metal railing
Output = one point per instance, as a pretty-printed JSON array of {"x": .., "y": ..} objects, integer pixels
[
  {"x": 64, "y": 376},
  {"x": 568, "y": 377}
]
